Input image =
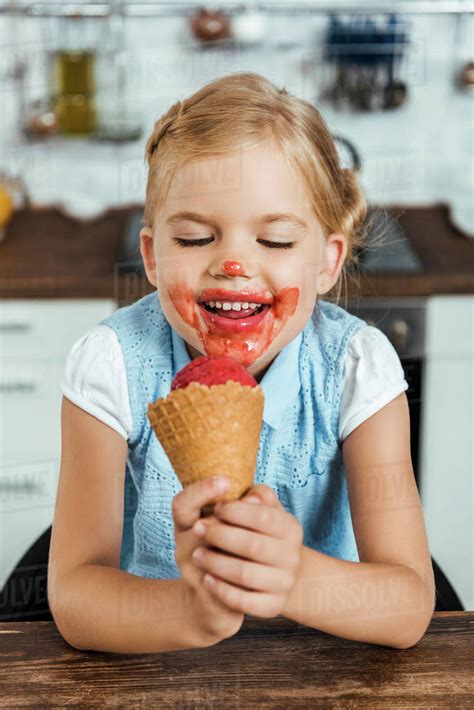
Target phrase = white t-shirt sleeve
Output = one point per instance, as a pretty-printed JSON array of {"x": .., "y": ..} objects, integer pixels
[
  {"x": 95, "y": 378},
  {"x": 373, "y": 376}
]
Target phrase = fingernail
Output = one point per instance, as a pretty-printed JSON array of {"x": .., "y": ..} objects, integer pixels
[
  {"x": 210, "y": 581},
  {"x": 199, "y": 528},
  {"x": 252, "y": 499},
  {"x": 221, "y": 483},
  {"x": 198, "y": 554}
]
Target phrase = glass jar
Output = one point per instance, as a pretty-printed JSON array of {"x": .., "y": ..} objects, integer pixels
[{"x": 73, "y": 78}]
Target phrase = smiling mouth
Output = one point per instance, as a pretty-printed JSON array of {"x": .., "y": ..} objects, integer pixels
[
  {"x": 235, "y": 315},
  {"x": 234, "y": 321}
]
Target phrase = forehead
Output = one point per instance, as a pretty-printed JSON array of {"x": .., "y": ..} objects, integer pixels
[{"x": 254, "y": 178}]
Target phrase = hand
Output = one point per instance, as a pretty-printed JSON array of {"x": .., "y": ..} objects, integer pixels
[
  {"x": 217, "y": 621},
  {"x": 270, "y": 540}
]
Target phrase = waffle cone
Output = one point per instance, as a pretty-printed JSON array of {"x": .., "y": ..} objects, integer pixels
[{"x": 211, "y": 431}]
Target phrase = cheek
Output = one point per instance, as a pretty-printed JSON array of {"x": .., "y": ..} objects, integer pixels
[
  {"x": 173, "y": 269},
  {"x": 310, "y": 283},
  {"x": 304, "y": 276}
]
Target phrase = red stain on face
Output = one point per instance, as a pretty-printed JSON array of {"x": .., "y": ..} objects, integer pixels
[
  {"x": 245, "y": 347},
  {"x": 233, "y": 268}
]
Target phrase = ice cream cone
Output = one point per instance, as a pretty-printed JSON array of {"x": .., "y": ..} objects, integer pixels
[{"x": 211, "y": 431}]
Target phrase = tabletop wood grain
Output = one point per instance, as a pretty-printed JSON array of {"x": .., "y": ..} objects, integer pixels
[{"x": 271, "y": 663}]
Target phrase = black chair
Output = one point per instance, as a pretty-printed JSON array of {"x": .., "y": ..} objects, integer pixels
[{"x": 24, "y": 596}]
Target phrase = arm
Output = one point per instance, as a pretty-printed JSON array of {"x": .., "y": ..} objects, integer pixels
[
  {"x": 388, "y": 597},
  {"x": 100, "y": 608},
  {"x": 96, "y": 605}
]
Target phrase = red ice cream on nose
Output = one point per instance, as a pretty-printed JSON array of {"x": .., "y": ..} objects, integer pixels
[{"x": 212, "y": 370}]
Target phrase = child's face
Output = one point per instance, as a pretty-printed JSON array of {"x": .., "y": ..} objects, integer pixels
[{"x": 230, "y": 197}]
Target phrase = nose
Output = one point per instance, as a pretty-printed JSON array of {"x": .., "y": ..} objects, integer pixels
[
  {"x": 234, "y": 257},
  {"x": 232, "y": 268}
]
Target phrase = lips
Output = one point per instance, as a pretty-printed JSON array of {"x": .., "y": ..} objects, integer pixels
[{"x": 234, "y": 322}]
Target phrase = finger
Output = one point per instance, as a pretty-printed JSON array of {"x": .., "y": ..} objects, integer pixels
[
  {"x": 248, "y": 544},
  {"x": 261, "y": 518},
  {"x": 265, "y": 494},
  {"x": 259, "y": 604},
  {"x": 252, "y": 576},
  {"x": 187, "y": 504}
]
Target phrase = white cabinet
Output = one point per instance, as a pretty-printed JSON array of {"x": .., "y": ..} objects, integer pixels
[
  {"x": 46, "y": 328},
  {"x": 35, "y": 338},
  {"x": 27, "y": 495},
  {"x": 447, "y": 466},
  {"x": 29, "y": 399}
]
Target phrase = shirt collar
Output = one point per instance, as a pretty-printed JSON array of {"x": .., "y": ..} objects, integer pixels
[{"x": 280, "y": 384}]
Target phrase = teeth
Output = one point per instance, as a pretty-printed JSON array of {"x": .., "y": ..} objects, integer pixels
[{"x": 234, "y": 305}]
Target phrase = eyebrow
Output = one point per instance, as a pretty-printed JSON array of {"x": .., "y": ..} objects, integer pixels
[{"x": 288, "y": 218}]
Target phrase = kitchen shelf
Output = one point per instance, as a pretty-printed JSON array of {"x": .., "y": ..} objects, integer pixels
[
  {"x": 176, "y": 8},
  {"x": 49, "y": 254}
]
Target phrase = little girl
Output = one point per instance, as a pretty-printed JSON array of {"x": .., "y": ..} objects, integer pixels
[{"x": 249, "y": 220}]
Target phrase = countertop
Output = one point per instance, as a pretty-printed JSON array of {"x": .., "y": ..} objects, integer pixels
[
  {"x": 47, "y": 254},
  {"x": 270, "y": 663}
]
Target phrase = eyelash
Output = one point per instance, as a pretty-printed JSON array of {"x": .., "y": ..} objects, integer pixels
[{"x": 203, "y": 242}]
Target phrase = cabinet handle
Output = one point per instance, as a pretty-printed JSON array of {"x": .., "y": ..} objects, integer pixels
[
  {"x": 399, "y": 334},
  {"x": 15, "y": 327},
  {"x": 12, "y": 387},
  {"x": 19, "y": 487}
]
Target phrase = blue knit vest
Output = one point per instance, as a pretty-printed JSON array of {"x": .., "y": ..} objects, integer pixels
[{"x": 301, "y": 460}]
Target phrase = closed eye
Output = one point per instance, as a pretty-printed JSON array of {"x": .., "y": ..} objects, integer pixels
[{"x": 203, "y": 242}]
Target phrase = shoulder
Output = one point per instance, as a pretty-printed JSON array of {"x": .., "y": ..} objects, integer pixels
[
  {"x": 141, "y": 329},
  {"x": 326, "y": 337},
  {"x": 99, "y": 344},
  {"x": 334, "y": 313},
  {"x": 370, "y": 346},
  {"x": 144, "y": 309},
  {"x": 100, "y": 337},
  {"x": 373, "y": 376},
  {"x": 94, "y": 378}
]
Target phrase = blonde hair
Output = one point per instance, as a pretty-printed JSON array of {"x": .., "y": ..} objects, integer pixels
[{"x": 241, "y": 110}]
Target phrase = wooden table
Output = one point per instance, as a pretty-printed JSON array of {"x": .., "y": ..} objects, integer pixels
[{"x": 269, "y": 664}]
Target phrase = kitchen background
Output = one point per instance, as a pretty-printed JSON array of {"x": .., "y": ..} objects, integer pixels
[{"x": 83, "y": 83}]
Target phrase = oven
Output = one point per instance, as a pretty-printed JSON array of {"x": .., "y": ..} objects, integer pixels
[{"x": 403, "y": 321}]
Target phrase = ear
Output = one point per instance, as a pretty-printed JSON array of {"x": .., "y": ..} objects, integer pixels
[
  {"x": 148, "y": 254},
  {"x": 332, "y": 260}
]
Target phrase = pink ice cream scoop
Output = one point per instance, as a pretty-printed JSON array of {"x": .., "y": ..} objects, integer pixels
[{"x": 212, "y": 370}]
